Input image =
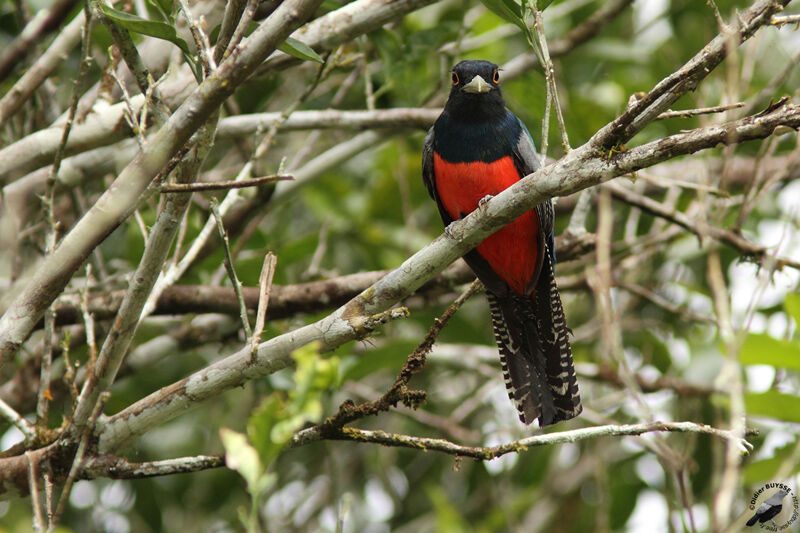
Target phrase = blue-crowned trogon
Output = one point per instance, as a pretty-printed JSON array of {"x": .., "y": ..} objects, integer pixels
[{"x": 475, "y": 149}]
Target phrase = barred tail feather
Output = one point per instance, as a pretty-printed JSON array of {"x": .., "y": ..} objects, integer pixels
[{"x": 535, "y": 354}]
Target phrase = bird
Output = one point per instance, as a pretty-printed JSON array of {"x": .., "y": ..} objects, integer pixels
[
  {"x": 769, "y": 509},
  {"x": 475, "y": 149}
]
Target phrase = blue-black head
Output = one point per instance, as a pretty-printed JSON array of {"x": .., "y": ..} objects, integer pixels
[{"x": 475, "y": 93}]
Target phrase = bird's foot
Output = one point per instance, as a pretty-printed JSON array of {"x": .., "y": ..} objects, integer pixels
[
  {"x": 448, "y": 231},
  {"x": 485, "y": 199}
]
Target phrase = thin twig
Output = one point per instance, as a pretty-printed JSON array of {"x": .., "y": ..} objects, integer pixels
[
  {"x": 662, "y": 302},
  {"x": 52, "y": 237},
  {"x": 25, "y": 427},
  {"x": 265, "y": 287},
  {"x": 488, "y": 453},
  {"x": 179, "y": 267},
  {"x": 45, "y": 21},
  {"x": 43, "y": 401},
  {"x": 36, "y": 502},
  {"x": 244, "y": 22},
  {"x": 780, "y": 20},
  {"x": 130, "y": 54},
  {"x": 723, "y": 235},
  {"x": 137, "y": 295},
  {"x": 686, "y": 113},
  {"x": 44, "y": 66},
  {"x": 549, "y": 73},
  {"x": 120, "y": 468},
  {"x": 399, "y": 391},
  {"x": 200, "y": 40},
  {"x": 230, "y": 20},
  {"x": 224, "y": 185},
  {"x": 77, "y": 462},
  {"x": 48, "y": 499},
  {"x": 237, "y": 286},
  {"x": 88, "y": 321}
]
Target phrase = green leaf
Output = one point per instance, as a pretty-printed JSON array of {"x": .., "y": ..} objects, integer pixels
[
  {"x": 153, "y": 28},
  {"x": 792, "y": 305},
  {"x": 773, "y": 404},
  {"x": 300, "y": 50},
  {"x": 761, "y": 349},
  {"x": 507, "y": 10},
  {"x": 766, "y": 469},
  {"x": 164, "y": 7},
  {"x": 243, "y": 458},
  {"x": 259, "y": 427},
  {"x": 448, "y": 518},
  {"x": 541, "y": 5}
]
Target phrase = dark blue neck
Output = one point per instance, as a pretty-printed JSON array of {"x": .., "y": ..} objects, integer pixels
[{"x": 479, "y": 136}]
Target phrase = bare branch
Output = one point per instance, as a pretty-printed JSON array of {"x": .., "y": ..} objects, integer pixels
[
  {"x": 156, "y": 250},
  {"x": 686, "y": 78},
  {"x": 780, "y": 20},
  {"x": 264, "y": 291},
  {"x": 686, "y": 113},
  {"x": 224, "y": 185},
  {"x": 230, "y": 20},
  {"x": 56, "y": 53},
  {"x": 579, "y": 169},
  {"x": 45, "y": 21},
  {"x": 345, "y": 24},
  {"x": 577, "y": 36},
  {"x": 26, "y": 428},
  {"x": 128, "y": 190},
  {"x": 33, "y": 478},
  {"x": 399, "y": 391},
  {"x": 285, "y": 300},
  {"x": 728, "y": 237},
  {"x": 481, "y": 453},
  {"x": 609, "y": 375},
  {"x": 237, "y": 286},
  {"x": 119, "y": 468}
]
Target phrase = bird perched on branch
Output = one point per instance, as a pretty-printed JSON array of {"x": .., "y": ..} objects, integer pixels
[
  {"x": 475, "y": 149},
  {"x": 769, "y": 509}
]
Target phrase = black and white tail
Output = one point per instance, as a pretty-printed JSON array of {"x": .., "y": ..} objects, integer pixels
[{"x": 531, "y": 332}]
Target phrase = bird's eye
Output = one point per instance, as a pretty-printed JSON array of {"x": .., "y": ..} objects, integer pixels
[
  {"x": 454, "y": 77},
  {"x": 496, "y": 76}
]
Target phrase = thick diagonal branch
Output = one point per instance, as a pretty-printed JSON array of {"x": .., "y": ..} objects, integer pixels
[
  {"x": 580, "y": 169},
  {"x": 128, "y": 190}
]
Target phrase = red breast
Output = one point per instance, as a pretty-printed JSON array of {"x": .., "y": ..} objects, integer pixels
[{"x": 513, "y": 250}]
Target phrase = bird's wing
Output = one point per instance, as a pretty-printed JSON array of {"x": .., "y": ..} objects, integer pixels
[
  {"x": 527, "y": 161},
  {"x": 763, "y": 508},
  {"x": 777, "y": 498},
  {"x": 429, "y": 177},
  {"x": 525, "y": 157}
]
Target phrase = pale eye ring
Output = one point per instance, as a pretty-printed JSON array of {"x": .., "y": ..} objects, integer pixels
[
  {"x": 496, "y": 76},
  {"x": 454, "y": 77}
]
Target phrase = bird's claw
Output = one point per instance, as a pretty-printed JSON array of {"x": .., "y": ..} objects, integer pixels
[
  {"x": 448, "y": 230},
  {"x": 485, "y": 199}
]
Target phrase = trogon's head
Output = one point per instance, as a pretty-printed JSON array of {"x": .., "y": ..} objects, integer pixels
[{"x": 475, "y": 92}]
